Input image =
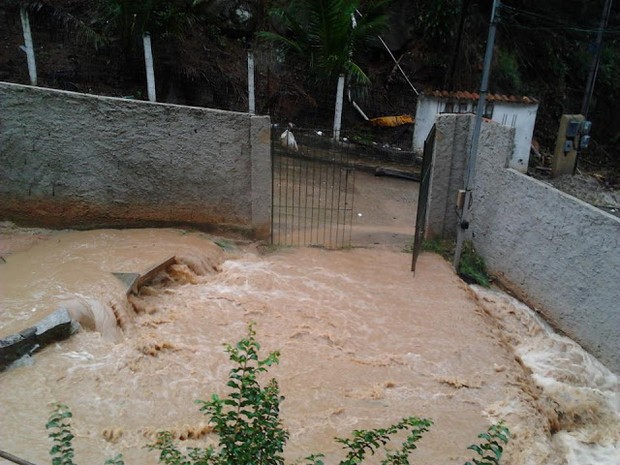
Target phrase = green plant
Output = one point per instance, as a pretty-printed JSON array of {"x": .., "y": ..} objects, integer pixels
[
  {"x": 60, "y": 433},
  {"x": 247, "y": 421},
  {"x": 328, "y": 35},
  {"x": 365, "y": 441},
  {"x": 472, "y": 268},
  {"x": 490, "y": 450},
  {"x": 443, "y": 247},
  {"x": 117, "y": 460}
]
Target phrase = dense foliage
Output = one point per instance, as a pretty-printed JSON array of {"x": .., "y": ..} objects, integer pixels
[{"x": 329, "y": 35}]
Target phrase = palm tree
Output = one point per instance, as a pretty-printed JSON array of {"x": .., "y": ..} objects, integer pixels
[{"x": 329, "y": 36}]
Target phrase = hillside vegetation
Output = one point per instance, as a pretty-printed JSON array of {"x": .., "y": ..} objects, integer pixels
[{"x": 543, "y": 50}]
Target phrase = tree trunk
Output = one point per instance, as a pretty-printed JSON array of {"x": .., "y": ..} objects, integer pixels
[
  {"x": 150, "y": 73},
  {"x": 28, "y": 47},
  {"x": 338, "y": 110}
]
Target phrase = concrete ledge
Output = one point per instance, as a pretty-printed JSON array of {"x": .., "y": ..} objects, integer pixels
[{"x": 54, "y": 327}]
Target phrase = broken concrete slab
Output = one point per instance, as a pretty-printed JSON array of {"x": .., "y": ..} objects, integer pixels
[
  {"x": 134, "y": 281},
  {"x": 54, "y": 327},
  {"x": 130, "y": 280}
]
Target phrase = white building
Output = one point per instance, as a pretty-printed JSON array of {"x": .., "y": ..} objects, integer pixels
[{"x": 508, "y": 110}]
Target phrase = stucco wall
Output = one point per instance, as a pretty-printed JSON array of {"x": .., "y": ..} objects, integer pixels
[
  {"x": 556, "y": 252},
  {"x": 452, "y": 142},
  {"x": 75, "y": 160}
]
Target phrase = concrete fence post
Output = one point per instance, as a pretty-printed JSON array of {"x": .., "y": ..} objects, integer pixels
[
  {"x": 251, "y": 96},
  {"x": 28, "y": 47},
  {"x": 338, "y": 110},
  {"x": 148, "y": 62}
]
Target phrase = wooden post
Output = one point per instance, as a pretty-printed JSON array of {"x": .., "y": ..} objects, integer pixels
[
  {"x": 150, "y": 73},
  {"x": 28, "y": 47}
]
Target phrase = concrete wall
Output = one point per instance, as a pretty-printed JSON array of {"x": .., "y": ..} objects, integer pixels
[
  {"x": 83, "y": 161},
  {"x": 520, "y": 116},
  {"x": 556, "y": 252}
]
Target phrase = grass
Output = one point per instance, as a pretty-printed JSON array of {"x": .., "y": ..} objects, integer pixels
[{"x": 472, "y": 268}]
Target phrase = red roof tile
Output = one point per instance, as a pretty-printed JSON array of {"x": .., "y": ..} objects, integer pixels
[{"x": 464, "y": 95}]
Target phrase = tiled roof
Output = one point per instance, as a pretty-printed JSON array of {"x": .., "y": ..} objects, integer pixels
[{"x": 460, "y": 95}]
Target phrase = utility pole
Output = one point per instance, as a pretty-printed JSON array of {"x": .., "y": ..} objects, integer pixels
[
  {"x": 596, "y": 59},
  {"x": 470, "y": 179}
]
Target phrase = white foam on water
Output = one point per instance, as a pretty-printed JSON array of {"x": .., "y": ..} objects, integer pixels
[{"x": 583, "y": 392}]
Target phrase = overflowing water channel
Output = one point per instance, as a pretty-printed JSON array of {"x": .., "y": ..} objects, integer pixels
[{"x": 362, "y": 343}]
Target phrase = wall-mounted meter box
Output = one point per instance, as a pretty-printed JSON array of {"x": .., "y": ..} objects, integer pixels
[
  {"x": 572, "y": 130},
  {"x": 585, "y": 127},
  {"x": 567, "y": 144},
  {"x": 584, "y": 142}
]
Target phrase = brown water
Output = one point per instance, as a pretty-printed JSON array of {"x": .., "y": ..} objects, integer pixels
[
  {"x": 581, "y": 397},
  {"x": 363, "y": 344}
]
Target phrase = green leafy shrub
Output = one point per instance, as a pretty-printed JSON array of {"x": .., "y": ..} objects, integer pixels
[
  {"x": 472, "y": 267},
  {"x": 60, "y": 433},
  {"x": 490, "y": 450}
]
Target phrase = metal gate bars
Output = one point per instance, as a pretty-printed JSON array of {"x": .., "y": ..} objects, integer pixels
[
  {"x": 420, "y": 222},
  {"x": 312, "y": 192}
]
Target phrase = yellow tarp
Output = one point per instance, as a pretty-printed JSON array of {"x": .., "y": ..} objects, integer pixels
[{"x": 391, "y": 121}]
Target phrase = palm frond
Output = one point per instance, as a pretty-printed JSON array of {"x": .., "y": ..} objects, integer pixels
[
  {"x": 323, "y": 32},
  {"x": 284, "y": 42},
  {"x": 356, "y": 74}
]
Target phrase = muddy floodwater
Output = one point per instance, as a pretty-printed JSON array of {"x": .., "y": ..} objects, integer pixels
[{"x": 363, "y": 343}]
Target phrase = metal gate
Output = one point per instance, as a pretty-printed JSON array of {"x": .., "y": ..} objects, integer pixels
[
  {"x": 425, "y": 177},
  {"x": 312, "y": 192}
]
